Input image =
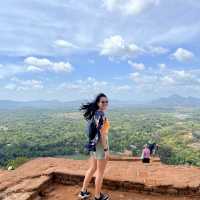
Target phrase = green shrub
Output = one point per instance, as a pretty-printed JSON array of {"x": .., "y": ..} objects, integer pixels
[{"x": 17, "y": 162}]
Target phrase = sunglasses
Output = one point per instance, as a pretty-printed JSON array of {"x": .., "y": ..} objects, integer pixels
[{"x": 104, "y": 102}]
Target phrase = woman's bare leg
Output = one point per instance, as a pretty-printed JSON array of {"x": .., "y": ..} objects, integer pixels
[
  {"x": 90, "y": 172},
  {"x": 101, "y": 165}
]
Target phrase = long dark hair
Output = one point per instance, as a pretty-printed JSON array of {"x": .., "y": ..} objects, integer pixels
[{"x": 90, "y": 108}]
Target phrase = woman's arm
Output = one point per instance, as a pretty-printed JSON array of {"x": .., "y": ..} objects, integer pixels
[
  {"x": 142, "y": 156},
  {"x": 104, "y": 136},
  {"x": 104, "y": 141}
]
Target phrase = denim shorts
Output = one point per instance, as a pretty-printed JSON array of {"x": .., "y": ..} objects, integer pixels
[{"x": 99, "y": 154}]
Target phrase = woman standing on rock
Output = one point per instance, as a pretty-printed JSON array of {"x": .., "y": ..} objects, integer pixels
[{"x": 98, "y": 127}]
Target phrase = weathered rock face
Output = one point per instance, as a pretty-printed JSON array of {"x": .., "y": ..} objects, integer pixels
[
  {"x": 2, "y": 172},
  {"x": 32, "y": 178},
  {"x": 62, "y": 192}
]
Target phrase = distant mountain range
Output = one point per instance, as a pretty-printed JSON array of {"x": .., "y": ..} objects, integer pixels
[
  {"x": 39, "y": 104},
  {"x": 171, "y": 101},
  {"x": 176, "y": 101},
  {"x": 54, "y": 104}
]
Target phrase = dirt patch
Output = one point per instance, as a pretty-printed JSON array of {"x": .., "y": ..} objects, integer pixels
[{"x": 61, "y": 192}]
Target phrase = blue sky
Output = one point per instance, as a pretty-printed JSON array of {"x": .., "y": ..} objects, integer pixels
[{"x": 130, "y": 49}]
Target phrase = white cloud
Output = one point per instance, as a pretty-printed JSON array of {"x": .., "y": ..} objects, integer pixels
[
  {"x": 85, "y": 32},
  {"x": 185, "y": 77},
  {"x": 10, "y": 86},
  {"x": 9, "y": 70},
  {"x": 116, "y": 46},
  {"x": 42, "y": 64},
  {"x": 135, "y": 76},
  {"x": 42, "y": 33},
  {"x": 91, "y": 86},
  {"x": 64, "y": 44},
  {"x": 181, "y": 78},
  {"x": 158, "y": 50},
  {"x": 183, "y": 33},
  {"x": 129, "y": 7},
  {"x": 27, "y": 84},
  {"x": 160, "y": 83},
  {"x": 136, "y": 66},
  {"x": 87, "y": 85},
  {"x": 122, "y": 88},
  {"x": 162, "y": 66},
  {"x": 181, "y": 73},
  {"x": 24, "y": 85},
  {"x": 62, "y": 67},
  {"x": 143, "y": 79},
  {"x": 166, "y": 79},
  {"x": 183, "y": 55},
  {"x": 32, "y": 68}
]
